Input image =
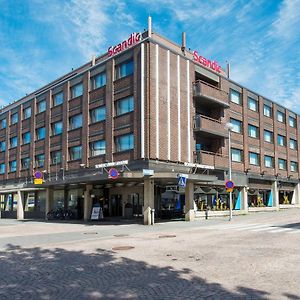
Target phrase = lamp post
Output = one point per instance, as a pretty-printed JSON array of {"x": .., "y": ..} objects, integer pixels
[{"x": 229, "y": 127}]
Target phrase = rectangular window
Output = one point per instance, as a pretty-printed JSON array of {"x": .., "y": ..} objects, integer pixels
[
  {"x": 293, "y": 144},
  {"x": 57, "y": 128},
  {"x": 294, "y": 166},
  {"x": 124, "y": 69},
  {"x": 2, "y": 168},
  {"x": 292, "y": 121},
  {"x": 41, "y": 106},
  {"x": 13, "y": 166},
  {"x": 26, "y": 138},
  {"x": 2, "y": 146},
  {"x": 252, "y": 104},
  {"x": 55, "y": 157},
  {"x": 25, "y": 163},
  {"x": 27, "y": 112},
  {"x": 125, "y": 105},
  {"x": 98, "y": 114},
  {"x": 281, "y": 140},
  {"x": 40, "y": 160},
  {"x": 75, "y": 152},
  {"x": 77, "y": 90},
  {"x": 267, "y": 111},
  {"x": 253, "y": 158},
  {"x": 269, "y": 161},
  {"x": 98, "y": 80},
  {"x": 268, "y": 136},
  {"x": 236, "y": 155},
  {"x": 235, "y": 97},
  {"x": 125, "y": 142},
  {"x": 40, "y": 133},
  {"x": 58, "y": 99},
  {"x": 3, "y": 123},
  {"x": 75, "y": 122},
  {"x": 280, "y": 116},
  {"x": 253, "y": 131},
  {"x": 13, "y": 142},
  {"x": 281, "y": 164},
  {"x": 97, "y": 148},
  {"x": 14, "y": 118}
]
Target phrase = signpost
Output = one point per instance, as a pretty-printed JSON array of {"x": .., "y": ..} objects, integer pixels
[
  {"x": 113, "y": 173},
  {"x": 38, "y": 177}
]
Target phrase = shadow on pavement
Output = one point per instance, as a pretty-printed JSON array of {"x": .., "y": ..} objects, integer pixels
[{"x": 36, "y": 273}]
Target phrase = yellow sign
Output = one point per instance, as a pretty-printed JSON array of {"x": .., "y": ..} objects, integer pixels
[
  {"x": 38, "y": 181},
  {"x": 229, "y": 190}
]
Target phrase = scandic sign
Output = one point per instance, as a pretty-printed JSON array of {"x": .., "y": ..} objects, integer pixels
[
  {"x": 206, "y": 62},
  {"x": 132, "y": 40}
]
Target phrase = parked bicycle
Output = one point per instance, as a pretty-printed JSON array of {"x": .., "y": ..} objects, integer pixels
[{"x": 59, "y": 214}]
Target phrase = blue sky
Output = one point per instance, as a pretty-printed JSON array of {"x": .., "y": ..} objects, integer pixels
[{"x": 41, "y": 40}]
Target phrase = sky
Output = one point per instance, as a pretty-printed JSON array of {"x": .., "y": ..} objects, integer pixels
[{"x": 41, "y": 40}]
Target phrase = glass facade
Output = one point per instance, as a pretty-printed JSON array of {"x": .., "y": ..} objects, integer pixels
[
  {"x": 125, "y": 142},
  {"x": 125, "y": 105}
]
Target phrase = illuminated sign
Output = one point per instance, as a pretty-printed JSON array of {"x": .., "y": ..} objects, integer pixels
[
  {"x": 132, "y": 40},
  {"x": 206, "y": 62}
]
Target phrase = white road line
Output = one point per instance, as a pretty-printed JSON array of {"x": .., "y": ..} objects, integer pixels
[
  {"x": 262, "y": 229},
  {"x": 278, "y": 229},
  {"x": 249, "y": 228},
  {"x": 295, "y": 230},
  {"x": 239, "y": 226}
]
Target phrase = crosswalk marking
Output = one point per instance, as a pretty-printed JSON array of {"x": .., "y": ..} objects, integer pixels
[{"x": 280, "y": 230}]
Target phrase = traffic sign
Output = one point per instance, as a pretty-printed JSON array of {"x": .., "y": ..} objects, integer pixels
[
  {"x": 229, "y": 190},
  {"x": 229, "y": 184},
  {"x": 38, "y": 175},
  {"x": 113, "y": 173},
  {"x": 181, "y": 180},
  {"x": 38, "y": 181}
]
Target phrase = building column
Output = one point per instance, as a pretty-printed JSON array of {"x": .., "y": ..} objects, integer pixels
[
  {"x": 49, "y": 201},
  {"x": 148, "y": 200},
  {"x": 189, "y": 202},
  {"x": 296, "y": 195},
  {"x": 87, "y": 203},
  {"x": 275, "y": 194},
  {"x": 244, "y": 195},
  {"x": 20, "y": 208}
]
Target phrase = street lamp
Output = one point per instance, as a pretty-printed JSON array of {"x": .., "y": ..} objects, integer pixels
[{"x": 229, "y": 127}]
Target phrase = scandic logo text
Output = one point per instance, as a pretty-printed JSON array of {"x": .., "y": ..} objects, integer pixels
[
  {"x": 206, "y": 62},
  {"x": 132, "y": 40}
]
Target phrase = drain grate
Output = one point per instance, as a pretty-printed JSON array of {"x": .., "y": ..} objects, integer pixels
[
  {"x": 166, "y": 236},
  {"x": 120, "y": 235},
  {"x": 121, "y": 248}
]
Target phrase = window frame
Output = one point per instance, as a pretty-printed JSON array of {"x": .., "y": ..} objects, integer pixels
[
  {"x": 74, "y": 89},
  {"x": 256, "y": 131},
  {"x": 272, "y": 161},
  {"x": 272, "y": 136},
  {"x": 270, "y": 109},
  {"x": 231, "y": 92},
  {"x": 232, "y": 150},
  {"x": 72, "y": 124},
  {"x": 55, "y": 101},
  {"x": 118, "y": 69},
  {"x": 118, "y": 144},
  {"x": 23, "y": 135},
  {"x": 53, "y": 127},
  {"x": 92, "y": 154},
  {"x": 250, "y": 99},
  {"x": 37, "y": 135},
  {"x": 70, "y": 151},
  {"x": 38, "y": 108},
  {"x": 285, "y": 162},
  {"x": 37, "y": 160},
  {"x": 94, "y": 80},
  {"x": 25, "y": 111},
  {"x": 130, "y": 100},
  {"x": 92, "y": 115},
  {"x": 256, "y": 157}
]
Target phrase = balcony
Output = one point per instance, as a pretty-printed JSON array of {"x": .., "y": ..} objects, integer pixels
[
  {"x": 217, "y": 160},
  {"x": 210, "y": 95},
  {"x": 209, "y": 126}
]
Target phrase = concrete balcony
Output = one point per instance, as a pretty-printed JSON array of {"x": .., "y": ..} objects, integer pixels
[
  {"x": 219, "y": 161},
  {"x": 208, "y": 126},
  {"x": 210, "y": 95}
]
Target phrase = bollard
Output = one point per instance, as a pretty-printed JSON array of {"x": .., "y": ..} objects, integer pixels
[
  {"x": 152, "y": 216},
  {"x": 206, "y": 213}
]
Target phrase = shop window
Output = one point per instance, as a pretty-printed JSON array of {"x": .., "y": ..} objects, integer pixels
[
  {"x": 280, "y": 116},
  {"x": 27, "y": 113},
  {"x": 41, "y": 106},
  {"x": 281, "y": 140},
  {"x": 235, "y": 97},
  {"x": 25, "y": 163},
  {"x": 125, "y": 105},
  {"x": 3, "y": 123},
  {"x": 98, "y": 80},
  {"x": 26, "y": 138},
  {"x": 75, "y": 122},
  {"x": 14, "y": 118},
  {"x": 269, "y": 161},
  {"x": 294, "y": 166},
  {"x": 293, "y": 144},
  {"x": 252, "y": 104},
  {"x": 125, "y": 142},
  {"x": 253, "y": 158},
  {"x": 58, "y": 199},
  {"x": 97, "y": 148},
  {"x": 268, "y": 136},
  {"x": 75, "y": 152},
  {"x": 58, "y": 99},
  {"x": 55, "y": 157},
  {"x": 253, "y": 131},
  {"x": 292, "y": 121},
  {"x": 40, "y": 133},
  {"x": 236, "y": 155},
  {"x": 13, "y": 166},
  {"x": 2, "y": 146},
  {"x": 77, "y": 90},
  {"x": 281, "y": 164},
  {"x": 56, "y": 128},
  {"x": 267, "y": 111},
  {"x": 124, "y": 69},
  {"x": 13, "y": 142},
  {"x": 2, "y": 168},
  {"x": 98, "y": 114},
  {"x": 40, "y": 160}
]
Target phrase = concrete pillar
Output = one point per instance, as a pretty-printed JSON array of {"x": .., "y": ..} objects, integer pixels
[
  {"x": 244, "y": 195},
  {"x": 20, "y": 208},
  {"x": 189, "y": 201},
  {"x": 87, "y": 203},
  {"x": 49, "y": 201},
  {"x": 148, "y": 200},
  {"x": 275, "y": 193},
  {"x": 296, "y": 195}
]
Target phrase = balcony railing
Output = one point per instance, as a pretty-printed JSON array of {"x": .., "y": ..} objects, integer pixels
[
  {"x": 210, "y": 126},
  {"x": 210, "y": 94},
  {"x": 217, "y": 160}
]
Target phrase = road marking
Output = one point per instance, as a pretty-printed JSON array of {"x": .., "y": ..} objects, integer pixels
[
  {"x": 251, "y": 227},
  {"x": 278, "y": 229}
]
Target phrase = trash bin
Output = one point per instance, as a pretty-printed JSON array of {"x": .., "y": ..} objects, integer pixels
[{"x": 128, "y": 213}]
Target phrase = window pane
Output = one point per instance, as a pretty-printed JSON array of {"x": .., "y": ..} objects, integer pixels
[
  {"x": 97, "y": 148},
  {"x": 267, "y": 111},
  {"x": 26, "y": 138},
  {"x": 280, "y": 116},
  {"x": 55, "y": 157},
  {"x": 98, "y": 114},
  {"x": 3, "y": 123},
  {"x": 125, "y": 142},
  {"x": 27, "y": 112},
  {"x": 253, "y": 158},
  {"x": 75, "y": 153},
  {"x": 13, "y": 166},
  {"x": 13, "y": 142},
  {"x": 253, "y": 131},
  {"x": 2, "y": 146},
  {"x": 40, "y": 160},
  {"x": 235, "y": 97},
  {"x": 57, "y": 128},
  {"x": 99, "y": 80},
  {"x": 41, "y": 106},
  {"x": 268, "y": 136},
  {"x": 2, "y": 168},
  {"x": 293, "y": 144},
  {"x": 14, "y": 118},
  {"x": 236, "y": 155},
  {"x": 281, "y": 140},
  {"x": 252, "y": 104},
  {"x": 58, "y": 99},
  {"x": 268, "y": 161},
  {"x": 292, "y": 121},
  {"x": 294, "y": 166},
  {"x": 40, "y": 133},
  {"x": 76, "y": 122},
  {"x": 125, "y": 105},
  {"x": 25, "y": 162},
  {"x": 77, "y": 90},
  {"x": 281, "y": 164},
  {"x": 124, "y": 69}
]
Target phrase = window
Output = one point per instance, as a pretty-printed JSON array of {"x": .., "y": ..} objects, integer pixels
[
  {"x": 25, "y": 163},
  {"x": 57, "y": 128},
  {"x": 236, "y": 155},
  {"x": 267, "y": 111},
  {"x": 294, "y": 166},
  {"x": 26, "y": 138},
  {"x": 75, "y": 152},
  {"x": 293, "y": 144},
  {"x": 253, "y": 131},
  {"x": 124, "y": 142},
  {"x": 75, "y": 122},
  {"x": 235, "y": 97},
  {"x": 269, "y": 161},
  {"x": 98, "y": 114},
  {"x": 125, "y": 105},
  {"x": 2, "y": 168},
  {"x": 97, "y": 148},
  {"x": 13, "y": 166},
  {"x": 280, "y": 116},
  {"x": 281, "y": 164},
  {"x": 58, "y": 99},
  {"x": 40, "y": 160},
  {"x": 13, "y": 142},
  {"x": 55, "y": 157},
  {"x": 2, "y": 146},
  {"x": 40, "y": 133},
  {"x": 253, "y": 158},
  {"x": 77, "y": 90},
  {"x": 281, "y": 140},
  {"x": 252, "y": 104},
  {"x": 27, "y": 112},
  {"x": 292, "y": 121},
  {"x": 98, "y": 80},
  {"x": 124, "y": 69},
  {"x": 14, "y": 118},
  {"x": 268, "y": 136},
  {"x": 41, "y": 106},
  {"x": 3, "y": 123}
]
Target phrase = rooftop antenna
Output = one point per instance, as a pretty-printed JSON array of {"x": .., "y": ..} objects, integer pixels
[
  {"x": 183, "y": 42},
  {"x": 149, "y": 26},
  {"x": 227, "y": 69},
  {"x": 93, "y": 60}
]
